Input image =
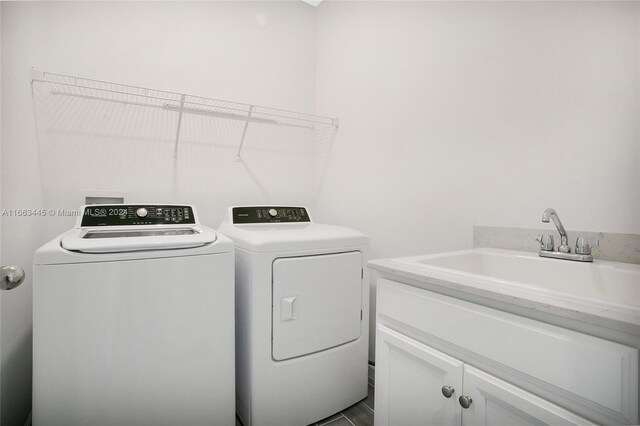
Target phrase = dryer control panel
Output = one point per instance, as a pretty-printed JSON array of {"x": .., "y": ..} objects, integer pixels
[
  {"x": 137, "y": 214},
  {"x": 269, "y": 214}
]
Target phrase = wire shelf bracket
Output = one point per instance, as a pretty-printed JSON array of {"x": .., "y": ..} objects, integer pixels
[
  {"x": 175, "y": 146},
  {"x": 244, "y": 133},
  {"x": 66, "y": 85}
]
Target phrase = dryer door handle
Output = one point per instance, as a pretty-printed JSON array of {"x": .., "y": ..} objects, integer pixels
[{"x": 288, "y": 308}]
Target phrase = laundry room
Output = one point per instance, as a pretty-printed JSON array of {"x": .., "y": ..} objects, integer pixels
[{"x": 319, "y": 212}]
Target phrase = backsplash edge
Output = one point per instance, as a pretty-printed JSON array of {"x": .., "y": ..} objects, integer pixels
[{"x": 613, "y": 247}]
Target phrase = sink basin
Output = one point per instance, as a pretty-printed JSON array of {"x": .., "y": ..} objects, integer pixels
[
  {"x": 601, "y": 293},
  {"x": 613, "y": 282}
]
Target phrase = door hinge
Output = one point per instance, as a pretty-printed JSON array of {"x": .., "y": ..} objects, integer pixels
[
  {"x": 361, "y": 273},
  {"x": 360, "y": 314}
]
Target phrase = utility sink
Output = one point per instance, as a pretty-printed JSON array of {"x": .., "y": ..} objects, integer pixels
[
  {"x": 613, "y": 282},
  {"x": 601, "y": 292}
]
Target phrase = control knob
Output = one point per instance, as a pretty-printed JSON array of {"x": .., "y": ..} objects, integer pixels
[
  {"x": 142, "y": 212},
  {"x": 273, "y": 212}
]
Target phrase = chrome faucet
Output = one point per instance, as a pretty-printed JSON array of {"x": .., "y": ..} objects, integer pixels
[
  {"x": 564, "y": 243},
  {"x": 583, "y": 245}
]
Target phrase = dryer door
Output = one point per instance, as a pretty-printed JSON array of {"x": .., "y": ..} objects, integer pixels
[{"x": 316, "y": 303}]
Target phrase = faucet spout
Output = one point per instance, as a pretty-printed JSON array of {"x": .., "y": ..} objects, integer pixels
[{"x": 550, "y": 214}]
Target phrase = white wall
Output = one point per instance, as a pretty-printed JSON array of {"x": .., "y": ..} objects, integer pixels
[
  {"x": 479, "y": 113},
  {"x": 452, "y": 114},
  {"x": 254, "y": 52}
]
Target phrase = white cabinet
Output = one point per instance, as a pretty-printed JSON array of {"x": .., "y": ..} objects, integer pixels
[
  {"x": 409, "y": 381},
  {"x": 496, "y": 402},
  {"x": 418, "y": 385},
  {"x": 515, "y": 370}
]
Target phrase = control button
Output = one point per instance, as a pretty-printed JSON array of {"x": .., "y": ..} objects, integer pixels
[
  {"x": 273, "y": 212},
  {"x": 142, "y": 212}
]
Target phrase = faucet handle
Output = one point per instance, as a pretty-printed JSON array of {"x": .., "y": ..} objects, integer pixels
[
  {"x": 546, "y": 242},
  {"x": 584, "y": 245}
]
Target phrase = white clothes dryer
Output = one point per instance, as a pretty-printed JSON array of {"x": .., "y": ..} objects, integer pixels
[
  {"x": 133, "y": 320},
  {"x": 302, "y": 308}
]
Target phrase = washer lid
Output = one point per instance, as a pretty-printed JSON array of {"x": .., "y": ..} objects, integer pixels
[
  {"x": 136, "y": 239},
  {"x": 78, "y": 250},
  {"x": 116, "y": 228}
]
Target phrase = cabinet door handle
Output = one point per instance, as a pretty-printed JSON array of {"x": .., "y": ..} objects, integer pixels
[
  {"x": 447, "y": 391},
  {"x": 465, "y": 401}
]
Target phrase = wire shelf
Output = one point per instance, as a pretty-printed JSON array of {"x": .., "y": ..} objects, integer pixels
[{"x": 84, "y": 88}]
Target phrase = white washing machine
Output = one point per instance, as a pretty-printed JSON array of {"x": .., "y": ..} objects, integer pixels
[
  {"x": 302, "y": 308},
  {"x": 133, "y": 321}
]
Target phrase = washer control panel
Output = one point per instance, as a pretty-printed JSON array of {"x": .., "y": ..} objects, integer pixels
[
  {"x": 134, "y": 214},
  {"x": 268, "y": 214}
]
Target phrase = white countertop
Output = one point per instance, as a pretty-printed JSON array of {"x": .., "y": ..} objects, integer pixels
[{"x": 604, "y": 298}]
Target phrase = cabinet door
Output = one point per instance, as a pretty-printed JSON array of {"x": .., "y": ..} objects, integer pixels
[
  {"x": 494, "y": 402},
  {"x": 409, "y": 381}
]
